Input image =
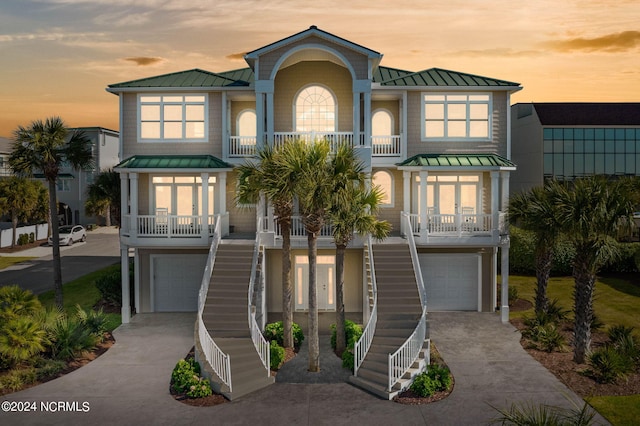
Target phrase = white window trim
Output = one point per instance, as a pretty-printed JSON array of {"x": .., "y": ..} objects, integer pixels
[
  {"x": 423, "y": 138},
  {"x": 335, "y": 104},
  {"x": 204, "y": 139},
  {"x": 391, "y": 204}
]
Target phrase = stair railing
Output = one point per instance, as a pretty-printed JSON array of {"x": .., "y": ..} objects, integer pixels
[
  {"x": 260, "y": 343},
  {"x": 364, "y": 343},
  {"x": 402, "y": 359},
  {"x": 217, "y": 359}
]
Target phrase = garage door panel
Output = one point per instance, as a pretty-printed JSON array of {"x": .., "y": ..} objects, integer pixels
[
  {"x": 176, "y": 282},
  {"x": 451, "y": 281}
]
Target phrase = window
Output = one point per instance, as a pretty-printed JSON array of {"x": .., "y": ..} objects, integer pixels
[
  {"x": 457, "y": 117},
  {"x": 247, "y": 127},
  {"x": 382, "y": 123},
  {"x": 384, "y": 180},
  {"x": 63, "y": 185},
  {"x": 315, "y": 110},
  {"x": 172, "y": 118},
  {"x": 181, "y": 195}
]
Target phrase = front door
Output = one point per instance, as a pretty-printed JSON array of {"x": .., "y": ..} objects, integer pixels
[{"x": 325, "y": 281}]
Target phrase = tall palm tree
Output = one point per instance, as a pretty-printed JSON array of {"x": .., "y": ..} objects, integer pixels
[
  {"x": 591, "y": 211},
  {"x": 353, "y": 210},
  {"x": 271, "y": 177},
  {"x": 104, "y": 196},
  {"x": 44, "y": 147},
  {"x": 535, "y": 211},
  {"x": 19, "y": 197}
]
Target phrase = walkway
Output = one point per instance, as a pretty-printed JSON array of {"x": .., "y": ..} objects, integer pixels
[{"x": 130, "y": 383}]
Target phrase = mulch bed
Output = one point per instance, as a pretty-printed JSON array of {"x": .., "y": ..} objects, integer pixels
[{"x": 408, "y": 397}]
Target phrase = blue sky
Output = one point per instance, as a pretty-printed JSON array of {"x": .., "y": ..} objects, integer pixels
[{"x": 59, "y": 55}]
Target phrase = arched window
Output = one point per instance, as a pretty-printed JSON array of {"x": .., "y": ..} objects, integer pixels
[
  {"x": 381, "y": 123},
  {"x": 247, "y": 123},
  {"x": 384, "y": 180},
  {"x": 315, "y": 110}
]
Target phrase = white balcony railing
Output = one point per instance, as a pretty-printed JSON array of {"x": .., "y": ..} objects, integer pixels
[
  {"x": 297, "y": 228},
  {"x": 171, "y": 226},
  {"x": 382, "y": 146},
  {"x": 453, "y": 224}
]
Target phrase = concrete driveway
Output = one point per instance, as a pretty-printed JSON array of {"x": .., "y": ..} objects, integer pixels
[
  {"x": 130, "y": 383},
  {"x": 101, "y": 249}
]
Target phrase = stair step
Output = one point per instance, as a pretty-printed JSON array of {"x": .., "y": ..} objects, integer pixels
[{"x": 374, "y": 377}]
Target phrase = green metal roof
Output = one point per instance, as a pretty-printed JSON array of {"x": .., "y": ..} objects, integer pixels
[
  {"x": 173, "y": 162},
  {"x": 242, "y": 75},
  {"x": 381, "y": 74},
  {"x": 190, "y": 78},
  {"x": 457, "y": 160},
  {"x": 440, "y": 77}
]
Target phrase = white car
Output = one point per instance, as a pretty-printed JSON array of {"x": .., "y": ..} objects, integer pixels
[{"x": 70, "y": 234}]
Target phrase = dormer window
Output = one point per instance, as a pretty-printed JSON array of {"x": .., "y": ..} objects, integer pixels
[
  {"x": 172, "y": 118},
  {"x": 454, "y": 117}
]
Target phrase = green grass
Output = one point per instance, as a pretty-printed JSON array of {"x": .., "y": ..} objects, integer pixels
[
  {"x": 617, "y": 301},
  {"x": 5, "y": 262},
  {"x": 83, "y": 292},
  {"x": 619, "y": 410}
]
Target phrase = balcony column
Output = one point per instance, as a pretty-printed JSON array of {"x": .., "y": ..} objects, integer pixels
[
  {"x": 504, "y": 201},
  {"x": 423, "y": 204},
  {"x": 356, "y": 119},
  {"x": 260, "y": 140},
  {"x": 367, "y": 118},
  {"x": 124, "y": 275},
  {"x": 495, "y": 200},
  {"x": 226, "y": 129},
  {"x": 504, "y": 286},
  {"x": 222, "y": 203},
  {"x": 270, "y": 119},
  {"x": 133, "y": 212},
  {"x": 124, "y": 201},
  {"x": 204, "y": 218},
  {"x": 406, "y": 197}
]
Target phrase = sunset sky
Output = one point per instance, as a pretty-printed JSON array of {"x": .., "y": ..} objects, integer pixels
[{"x": 58, "y": 56}]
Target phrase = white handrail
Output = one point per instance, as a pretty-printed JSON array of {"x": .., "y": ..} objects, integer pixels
[
  {"x": 260, "y": 343},
  {"x": 401, "y": 360},
  {"x": 217, "y": 359},
  {"x": 363, "y": 344}
]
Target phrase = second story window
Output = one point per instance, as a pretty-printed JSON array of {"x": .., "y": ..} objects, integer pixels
[
  {"x": 456, "y": 116},
  {"x": 315, "y": 110},
  {"x": 63, "y": 185},
  {"x": 172, "y": 118}
]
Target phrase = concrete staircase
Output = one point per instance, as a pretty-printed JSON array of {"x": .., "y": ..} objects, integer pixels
[
  {"x": 399, "y": 312},
  {"x": 225, "y": 317}
]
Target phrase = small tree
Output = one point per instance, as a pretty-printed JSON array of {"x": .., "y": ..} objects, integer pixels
[
  {"x": 19, "y": 197},
  {"x": 103, "y": 196}
]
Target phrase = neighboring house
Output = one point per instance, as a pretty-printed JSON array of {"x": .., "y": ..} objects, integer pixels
[
  {"x": 72, "y": 184},
  {"x": 568, "y": 140},
  {"x": 6, "y": 146},
  {"x": 436, "y": 141}
]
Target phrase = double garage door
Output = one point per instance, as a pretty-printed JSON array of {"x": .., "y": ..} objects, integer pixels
[
  {"x": 452, "y": 281},
  {"x": 176, "y": 280}
]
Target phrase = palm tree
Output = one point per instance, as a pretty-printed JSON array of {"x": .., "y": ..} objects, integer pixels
[
  {"x": 18, "y": 196},
  {"x": 353, "y": 209},
  {"x": 45, "y": 146},
  {"x": 535, "y": 211},
  {"x": 591, "y": 211},
  {"x": 277, "y": 182},
  {"x": 104, "y": 196}
]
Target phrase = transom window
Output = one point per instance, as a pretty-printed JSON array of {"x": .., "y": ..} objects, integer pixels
[
  {"x": 315, "y": 110},
  {"x": 456, "y": 116},
  {"x": 172, "y": 118}
]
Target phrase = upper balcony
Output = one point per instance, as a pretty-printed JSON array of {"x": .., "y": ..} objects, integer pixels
[
  {"x": 381, "y": 146},
  {"x": 458, "y": 229}
]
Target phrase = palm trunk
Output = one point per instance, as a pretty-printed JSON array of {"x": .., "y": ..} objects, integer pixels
[
  {"x": 314, "y": 344},
  {"x": 544, "y": 262},
  {"x": 55, "y": 234},
  {"x": 341, "y": 338},
  {"x": 287, "y": 289},
  {"x": 585, "y": 281},
  {"x": 107, "y": 218},
  {"x": 14, "y": 228}
]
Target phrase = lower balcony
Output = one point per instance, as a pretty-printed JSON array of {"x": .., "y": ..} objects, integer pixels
[
  {"x": 171, "y": 230},
  {"x": 458, "y": 229}
]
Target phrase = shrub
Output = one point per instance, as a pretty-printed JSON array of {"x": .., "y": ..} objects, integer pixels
[
  {"x": 17, "y": 379},
  {"x": 542, "y": 414},
  {"x": 522, "y": 253},
  {"x": 20, "y": 339},
  {"x": 437, "y": 378},
  {"x": 277, "y": 355},
  {"x": 513, "y": 295},
  {"x": 70, "y": 338},
  {"x": 23, "y": 239},
  {"x": 348, "y": 359},
  {"x": 626, "y": 261},
  {"x": 623, "y": 339},
  {"x": 352, "y": 332},
  {"x": 607, "y": 365},
  {"x": 109, "y": 285},
  {"x": 185, "y": 379},
  {"x": 32, "y": 238},
  {"x": 46, "y": 368},
  {"x": 94, "y": 321},
  {"x": 275, "y": 331},
  {"x": 15, "y": 301},
  {"x": 549, "y": 338}
]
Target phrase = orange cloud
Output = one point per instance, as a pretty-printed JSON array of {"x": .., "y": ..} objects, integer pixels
[
  {"x": 616, "y": 42},
  {"x": 143, "y": 61},
  {"x": 236, "y": 56}
]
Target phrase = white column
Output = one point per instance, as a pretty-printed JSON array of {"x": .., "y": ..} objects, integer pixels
[
  {"x": 126, "y": 302},
  {"x": 367, "y": 118},
  {"x": 204, "y": 215},
  {"x": 133, "y": 187},
  {"x": 423, "y": 203},
  {"x": 270, "y": 119},
  {"x": 260, "y": 120},
  {"x": 136, "y": 285},
  {"x": 504, "y": 290},
  {"x": 495, "y": 199},
  {"x": 504, "y": 202},
  {"x": 356, "y": 118},
  {"x": 124, "y": 200},
  {"x": 222, "y": 202},
  {"x": 406, "y": 199}
]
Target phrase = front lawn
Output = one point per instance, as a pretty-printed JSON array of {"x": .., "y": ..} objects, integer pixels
[
  {"x": 617, "y": 301},
  {"x": 6, "y": 261}
]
